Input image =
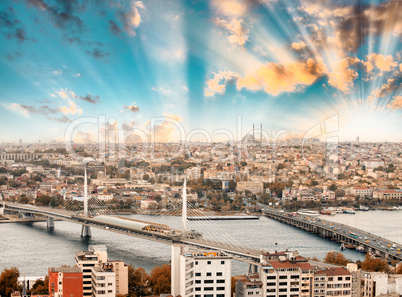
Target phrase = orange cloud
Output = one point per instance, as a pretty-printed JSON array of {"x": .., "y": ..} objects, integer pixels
[
  {"x": 219, "y": 82},
  {"x": 341, "y": 76},
  {"x": 379, "y": 61},
  {"x": 275, "y": 78},
  {"x": 238, "y": 34},
  {"x": 231, "y": 8},
  {"x": 396, "y": 103},
  {"x": 298, "y": 45}
]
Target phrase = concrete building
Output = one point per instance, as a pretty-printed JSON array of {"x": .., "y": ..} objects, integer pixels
[
  {"x": 121, "y": 271},
  {"x": 200, "y": 274},
  {"x": 388, "y": 194},
  {"x": 356, "y": 279},
  {"x": 254, "y": 187},
  {"x": 65, "y": 281},
  {"x": 86, "y": 260},
  {"x": 374, "y": 284},
  {"x": 362, "y": 192},
  {"x": 249, "y": 285},
  {"x": 103, "y": 281},
  {"x": 333, "y": 282}
]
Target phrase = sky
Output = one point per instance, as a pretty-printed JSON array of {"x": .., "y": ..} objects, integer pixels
[{"x": 199, "y": 70}]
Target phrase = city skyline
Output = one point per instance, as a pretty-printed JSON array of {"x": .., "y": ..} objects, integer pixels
[{"x": 285, "y": 65}]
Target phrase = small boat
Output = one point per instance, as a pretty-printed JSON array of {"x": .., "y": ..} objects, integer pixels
[
  {"x": 349, "y": 210},
  {"x": 360, "y": 249},
  {"x": 363, "y": 208},
  {"x": 342, "y": 247},
  {"x": 307, "y": 212},
  {"x": 327, "y": 212},
  {"x": 350, "y": 246}
]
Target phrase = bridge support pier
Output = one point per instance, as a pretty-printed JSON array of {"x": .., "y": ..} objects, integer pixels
[
  {"x": 175, "y": 270},
  {"x": 252, "y": 268},
  {"x": 85, "y": 231},
  {"x": 50, "y": 222}
]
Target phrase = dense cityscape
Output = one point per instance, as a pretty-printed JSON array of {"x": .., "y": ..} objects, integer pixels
[{"x": 200, "y": 148}]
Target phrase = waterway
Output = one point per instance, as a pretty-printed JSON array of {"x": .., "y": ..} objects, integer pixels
[{"x": 33, "y": 248}]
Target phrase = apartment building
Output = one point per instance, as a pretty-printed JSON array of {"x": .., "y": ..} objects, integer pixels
[
  {"x": 86, "y": 260},
  {"x": 200, "y": 274},
  {"x": 103, "y": 280},
  {"x": 249, "y": 285},
  {"x": 254, "y": 187},
  {"x": 374, "y": 284},
  {"x": 65, "y": 281},
  {"x": 361, "y": 191},
  {"x": 332, "y": 282},
  {"x": 121, "y": 271}
]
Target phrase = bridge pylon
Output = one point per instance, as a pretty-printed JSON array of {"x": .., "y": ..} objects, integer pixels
[{"x": 86, "y": 230}]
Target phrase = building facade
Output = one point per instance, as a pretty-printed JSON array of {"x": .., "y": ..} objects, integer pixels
[{"x": 65, "y": 281}]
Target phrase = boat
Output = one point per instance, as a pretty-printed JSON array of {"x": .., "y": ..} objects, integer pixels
[
  {"x": 360, "y": 249},
  {"x": 350, "y": 246},
  {"x": 342, "y": 247},
  {"x": 327, "y": 212},
  {"x": 307, "y": 212},
  {"x": 349, "y": 210},
  {"x": 363, "y": 208}
]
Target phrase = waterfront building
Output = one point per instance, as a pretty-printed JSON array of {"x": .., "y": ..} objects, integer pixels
[
  {"x": 65, "y": 281},
  {"x": 103, "y": 280},
  {"x": 334, "y": 281},
  {"x": 200, "y": 274},
  {"x": 86, "y": 260},
  {"x": 254, "y": 187}
]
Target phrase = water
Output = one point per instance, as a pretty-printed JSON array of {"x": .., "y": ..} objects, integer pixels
[{"x": 33, "y": 248}]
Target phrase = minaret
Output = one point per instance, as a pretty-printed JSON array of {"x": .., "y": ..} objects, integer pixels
[{"x": 261, "y": 134}]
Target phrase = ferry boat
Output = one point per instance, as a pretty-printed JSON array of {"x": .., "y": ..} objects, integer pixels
[
  {"x": 342, "y": 247},
  {"x": 363, "y": 208},
  {"x": 349, "y": 210},
  {"x": 307, "y": 212},
  {"x": 328, "y": 212}
]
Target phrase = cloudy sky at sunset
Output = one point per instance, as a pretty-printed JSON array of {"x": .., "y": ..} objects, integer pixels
[{"x": 283, "y": 64}]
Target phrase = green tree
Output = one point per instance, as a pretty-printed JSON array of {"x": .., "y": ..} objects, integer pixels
[
  {"x": 332, "y": 187},
  {"x": 9, "y": 281}
]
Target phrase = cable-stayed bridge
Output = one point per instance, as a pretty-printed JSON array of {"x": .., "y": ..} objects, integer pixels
[{"x": 93, "y": 213}]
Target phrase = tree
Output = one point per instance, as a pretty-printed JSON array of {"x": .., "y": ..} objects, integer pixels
[
  {"x": 160, "y": 280},
  {"x": 374, "y": 264},
  {"x": 137, "y": 282},
  {"x": 333, "y": 187},
  {"x": 336, "y": 258},
  {"x": 9, "y": 281},
  {"x": 40, "y": 287}
]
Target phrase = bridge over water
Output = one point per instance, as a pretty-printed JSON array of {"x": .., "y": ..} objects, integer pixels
[{"x": 341, "y": 233}]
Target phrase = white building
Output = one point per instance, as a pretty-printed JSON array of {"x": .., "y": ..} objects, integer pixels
[
  {"x": 200, "y": 274},
  {"x": 254, "y": 187},
  {"x": 362, "y": 192},
  {"x": 86, "y": 260},
  {"x": 103, "y": 281},
  {"x": 333, "y": 282}
]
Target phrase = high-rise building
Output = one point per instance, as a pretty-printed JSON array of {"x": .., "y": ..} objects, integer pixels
[
  {"x": 86, "y": 260},
  {"x": 103, "y": 281},
  {"x": 65, "y": 281},
  {"x": 200, "y": 274}
]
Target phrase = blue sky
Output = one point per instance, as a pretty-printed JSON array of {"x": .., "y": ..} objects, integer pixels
[{"x": 203, "y": 64}]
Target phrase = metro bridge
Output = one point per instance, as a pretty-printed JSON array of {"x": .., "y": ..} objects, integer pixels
[{"x": 102, "y": 218}]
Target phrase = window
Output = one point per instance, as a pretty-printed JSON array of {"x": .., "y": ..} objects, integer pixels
[
  {"x": 219, "y": 274},
  {"x": 110, "y": 291},
  {"x": 340, "y": 278},
  {"x": 283, "y": 277},
  {"x": 208, "y": 281},
  {"x": 198, "y": 281},
  {"x": 220, "y": 288},
  {"x": 102, "y": 292},
  {"x": 209, "y": 262},
  {"x": 197, "y": 295},
  {"x": 283, "y": 283},
  {"x": 220, "y": 281},
  {"x": 110, "y": 284},
  {"x": 197, "y": 288},
  {"x": 294, "y": 276},
  {"x": 196, "y": 262},
  {"x": 198, "y": 274},
  {"x": 208, "y": 295},
  {"x": 283, "y": 290},
  {"x": 220, "y": 295},
  {"x": 271, "y": 290},
  {"x": 271, "y": 284},
  {"x": 271, "y": 277},
  {"x": 209, "y": 274},
  {"x": 330, "y": 279},
  {"x": 347, "y": 278},
  {"x": 294, "y": 289},
  {"x": 223, "y": 262},
  {"x": 208, "y": 288}
]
